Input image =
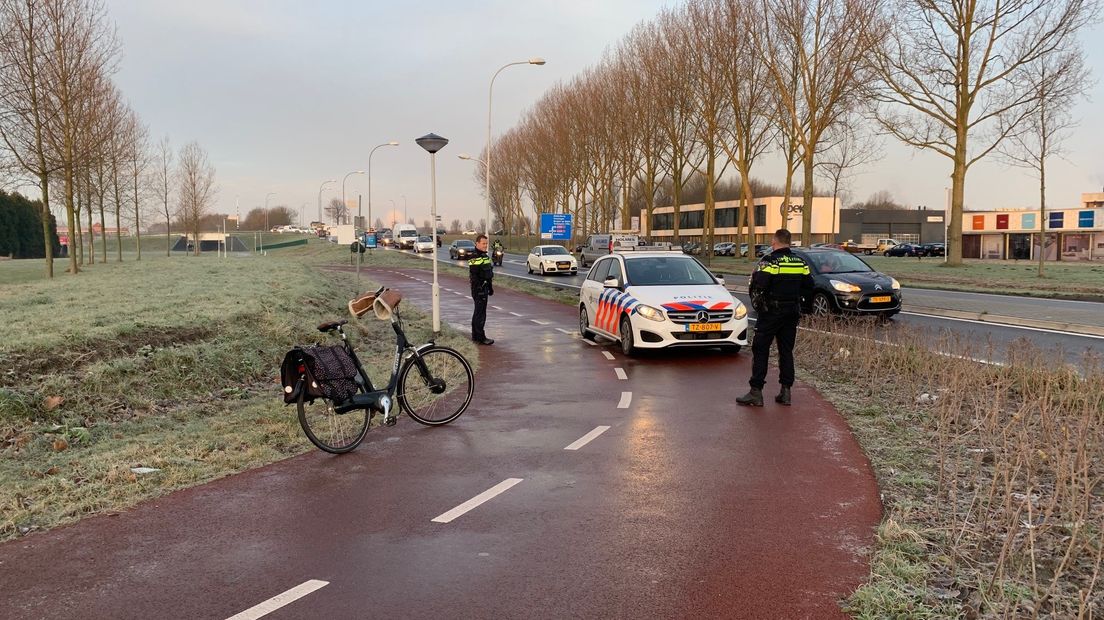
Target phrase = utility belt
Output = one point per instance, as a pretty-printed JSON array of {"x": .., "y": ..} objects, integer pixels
[{"x": 765, "y": 304}]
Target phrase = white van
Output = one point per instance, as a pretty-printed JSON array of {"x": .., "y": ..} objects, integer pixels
[{"x": 405, "y": 235}]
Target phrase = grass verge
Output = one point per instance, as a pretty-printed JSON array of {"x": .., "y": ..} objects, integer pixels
[
  {"x": 167, "y": 364},
  {"x": 991, "y": 475}
]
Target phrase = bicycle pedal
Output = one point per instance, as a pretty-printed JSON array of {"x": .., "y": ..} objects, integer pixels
[{"x": 390, "y": 421}]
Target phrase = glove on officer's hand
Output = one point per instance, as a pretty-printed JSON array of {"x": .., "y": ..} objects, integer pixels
[{"x": 490, "y": 289}]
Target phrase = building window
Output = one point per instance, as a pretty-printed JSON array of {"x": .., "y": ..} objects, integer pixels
[
  {"x": 662, "y": 221},
  {"x": 979, "y": 222},
  {"x": 1085, "y": 219},
  {"x": 1002, "y": 221},
  {"x": 760, "y": 215},
  {"x": 1057, "y": 220},
  {"x": 1027, "y": 221},
  {"x": 691, "y": 219},
  {"x": 726, "y": 218}
]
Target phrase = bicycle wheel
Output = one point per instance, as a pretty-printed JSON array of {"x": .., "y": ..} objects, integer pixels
[
  {"x": 333, "y": 432},
  {"x": 439, "y": 394}
]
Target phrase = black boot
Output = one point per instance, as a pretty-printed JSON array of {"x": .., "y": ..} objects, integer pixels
[
  {"x": 753, "y": 398},
  {"x": 783, "y": 396}
]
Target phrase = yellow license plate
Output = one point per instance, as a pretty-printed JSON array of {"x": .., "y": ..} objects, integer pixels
[
  {"x": 704, "y": 327},
  {"x": 881, "y": 300}
]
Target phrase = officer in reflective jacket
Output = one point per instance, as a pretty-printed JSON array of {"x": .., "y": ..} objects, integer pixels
[
  {"x": 777, "y": 288},
  {"x": 480, "y": 273}
]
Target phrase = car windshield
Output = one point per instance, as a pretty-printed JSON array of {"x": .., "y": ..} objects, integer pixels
[
  {"x": 408, "y": 233},
  {"x": 465, "y": 244},
  {"x": 837, "y": 262},
  {"x": 555, "y": 251},
  {"x": 666, "y": 271},
  {"x": 425, "y": 239}
]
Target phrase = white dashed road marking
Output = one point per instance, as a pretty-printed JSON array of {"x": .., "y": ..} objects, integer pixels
[
  {"x": 280, "y": 600},
  {"x": 474, "y": 502},
  {"x": 608, "y": 355},
  {"x": 621, "y": 374},
  {"x": 496, "y": 307},
  {"x": 565, "y": 331},
  {"x": 516, "y": 314},
  {"x": 626, "y": 398},
  {"x": 540, "y": 322},
  {"x": 591, "y": 342},
  {"x": 585, "y": 439}
]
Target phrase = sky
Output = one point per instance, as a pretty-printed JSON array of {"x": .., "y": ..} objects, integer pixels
[{"x": 285, "y": 94}]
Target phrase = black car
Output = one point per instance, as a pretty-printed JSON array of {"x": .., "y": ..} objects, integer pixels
[
  {"x": 933, "y": 249},
  {"x": 905, "y": 249},
  {"x": 461, "y": 249},
  {"x": 762, "y": 249},
  {"x": 844, "y": 283}
]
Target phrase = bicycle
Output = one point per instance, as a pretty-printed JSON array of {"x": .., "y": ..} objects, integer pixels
[{"x": 433, "y": 384}]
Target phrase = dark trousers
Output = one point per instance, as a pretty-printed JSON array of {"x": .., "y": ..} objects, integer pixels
[
  {"x": 479, "y": 317},
  {"x": 777, "y": 323}
]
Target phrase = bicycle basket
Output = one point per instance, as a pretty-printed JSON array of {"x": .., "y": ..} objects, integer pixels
[{"x": 318, "y": 372}]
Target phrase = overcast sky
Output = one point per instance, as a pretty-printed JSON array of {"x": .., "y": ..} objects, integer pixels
[{"x": 285, "y": 94}]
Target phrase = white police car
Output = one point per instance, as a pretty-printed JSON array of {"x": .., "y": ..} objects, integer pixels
[{"x": 655, "y": 300}]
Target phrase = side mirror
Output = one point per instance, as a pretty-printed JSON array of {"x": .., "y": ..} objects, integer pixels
[
  {"x": 720, "y": 279},
  {"x": 611, "y": 283}
]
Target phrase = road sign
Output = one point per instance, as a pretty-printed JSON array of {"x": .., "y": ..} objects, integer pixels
[
  {"x": 555, "y": 226},
  {"x": 370, "y": 240}
]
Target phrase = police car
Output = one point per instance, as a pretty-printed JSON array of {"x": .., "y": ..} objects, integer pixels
[{"x": 655, "y": 300}]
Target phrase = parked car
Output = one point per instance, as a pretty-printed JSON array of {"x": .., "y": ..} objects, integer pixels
[
  {"x": 904, "y": 249},
  {"x": 844, "y": 283},
  {"x": 691, "y": 248},
  {"x": 762, "y": 249},
  {"x": 933, "y": 249},
  {"x": 547, "y": 259},
  {"x": 655, "y": 300},
  {"x": 461, "y": 249},
  {"x": 468, "y": 232},
  {"x": 424, "y": 244},
  {"x": 726, "y": 248}
]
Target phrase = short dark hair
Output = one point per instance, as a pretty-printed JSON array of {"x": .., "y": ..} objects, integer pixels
[
  {"x": 782, "y": 236},
  {"x": 479, "y": 238}
]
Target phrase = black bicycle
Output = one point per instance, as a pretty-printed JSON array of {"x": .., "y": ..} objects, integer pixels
[{"x": 433, "y": 384}]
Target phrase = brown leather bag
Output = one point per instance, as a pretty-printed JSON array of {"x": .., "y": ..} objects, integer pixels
[{"x": 383, "y": 305}]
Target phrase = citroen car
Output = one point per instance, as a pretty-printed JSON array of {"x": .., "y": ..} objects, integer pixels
[
  {"x": 656, "y": 300},
  {"x": 845, "y": 283}
]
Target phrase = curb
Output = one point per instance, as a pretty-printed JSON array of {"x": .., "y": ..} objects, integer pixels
[{"x": 984, "y": 317}]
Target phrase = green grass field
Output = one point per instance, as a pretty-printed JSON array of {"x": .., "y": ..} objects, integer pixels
[{"x": 170, "y": 363}]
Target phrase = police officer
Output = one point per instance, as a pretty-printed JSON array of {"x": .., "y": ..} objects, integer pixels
[
  {"x": 777, "y": 288},
  {"x": 480, "y": 273}
]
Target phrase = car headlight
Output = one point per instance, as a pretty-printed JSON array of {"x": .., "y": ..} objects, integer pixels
[
  {"x": 741, "y": 311},
  {"x": 895, "y": 284},
  {"x": 649, "y": 312},
  {"x": 845, "y": 287}
]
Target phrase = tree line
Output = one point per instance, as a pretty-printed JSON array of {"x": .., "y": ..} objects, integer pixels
[
  {"x": 21, "y": 224},
  {"x": 715, "y": 86},
  {"x": 66, "y": 127}
]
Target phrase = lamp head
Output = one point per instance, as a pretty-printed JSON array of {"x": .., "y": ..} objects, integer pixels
[
  {"x": 536, "y": 60},
  {"x": 464, "y": 156},
  {"x": 432, "y": 142},
  {"x": 393, "y": 143}
]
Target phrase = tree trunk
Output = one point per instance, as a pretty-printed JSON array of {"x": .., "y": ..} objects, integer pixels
[
  {"x": 958, "y": 190},
  {"x": 709, "y": 212},
  {"x": 44, "y": 187},
  {"x": 73, "y": 223},
  {"x": 807, "y": 206}
]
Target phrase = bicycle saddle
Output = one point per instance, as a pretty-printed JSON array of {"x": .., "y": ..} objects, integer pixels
[{"x": 329, "y": 326}]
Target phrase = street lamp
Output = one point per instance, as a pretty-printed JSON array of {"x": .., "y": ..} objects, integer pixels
[
  {"x": 490, "y": 98},
  {"x": 343, "y": 203},
  {"x": 370, "y": 153},
  {"x": 406, "y": 212},
  {"x": 320, "y": 188},
  {"x": 394, "y": 209},
  {"x": 432, "y": 143}
]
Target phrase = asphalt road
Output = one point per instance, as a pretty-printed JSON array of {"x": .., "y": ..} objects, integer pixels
[
  {"x": 613, "y": 488},
  {"x": 987, "y": 341}
]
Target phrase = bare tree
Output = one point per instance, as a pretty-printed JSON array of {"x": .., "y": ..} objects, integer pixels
[
  {"x": 196, "y": 178},
  {"x": 1059, "y": 79},
  {"x": 24, "y": 100},
  {"x": 138, "y": 155},
  {"x": 161, "y": 180},
  {"x": 955, "y": 78},
  {"x": 337, "y": 210},
  {"x": 820, "y": 53},
  {"x": 851, "y": 148}
]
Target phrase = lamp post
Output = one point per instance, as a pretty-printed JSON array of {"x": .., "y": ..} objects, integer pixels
[
  {"x": 432, "y": 143},
  {"x": 343, "y": 179},
  {"x": 370, "y": 153},
  {"x": 394, "y": 207},
  {"x": 467, "y": 157},
  {"x": 266, "y": 218},
  {"x": 490, "y": 99},
  {"x": 406, "y": 212},
  {"x": 320, "y": 188}
]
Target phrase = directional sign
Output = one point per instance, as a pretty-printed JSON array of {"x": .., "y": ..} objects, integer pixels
[{"x": 555, "y": 226}]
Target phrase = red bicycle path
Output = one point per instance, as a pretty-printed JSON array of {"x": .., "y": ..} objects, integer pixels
[{"x": 687, "y": 506}]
